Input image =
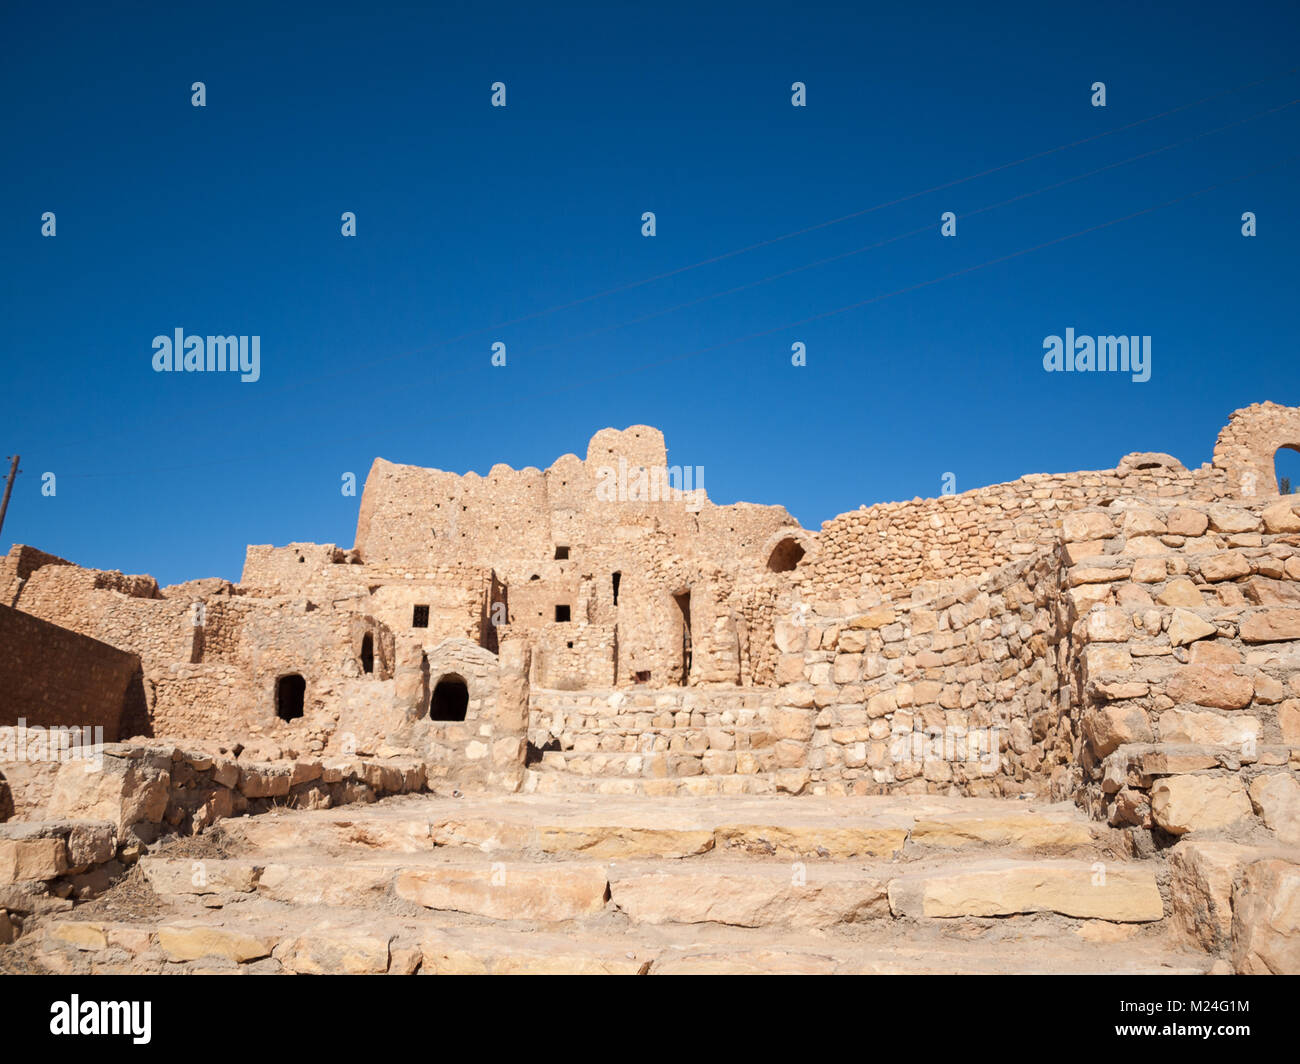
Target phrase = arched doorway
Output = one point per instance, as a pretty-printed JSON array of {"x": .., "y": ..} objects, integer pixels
[
  {"x": 1286, "y": 468},
  {"x": 450, "y": 699},
  {"x": 368, "y": 653}
]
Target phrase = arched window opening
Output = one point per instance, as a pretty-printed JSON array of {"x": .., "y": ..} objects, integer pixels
[
  {"x": 785, "y": 556},
  {"x": 450, "y": 699}
]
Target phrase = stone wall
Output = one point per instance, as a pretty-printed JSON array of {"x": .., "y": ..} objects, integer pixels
[
  {"x": 580, "y": 539},
  {"x": 952, "y": 694},
  {"x": 51, "y": 676},
  {"x": 574, "y": 657},
  {"x": 1247, "y": 446},
  {"x": 892, "y": 548},
  {"x": 484, "y": 745},
  {"x": 95, "y": 825},
  {"x": 664, "y": 740},
  {"x": 654, "y": 593},
  {"x": 1183, "y": 698}
]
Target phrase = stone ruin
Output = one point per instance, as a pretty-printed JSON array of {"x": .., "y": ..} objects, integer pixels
[{"x": 1124, "y": 643}]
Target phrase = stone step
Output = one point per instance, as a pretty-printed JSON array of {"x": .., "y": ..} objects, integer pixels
[
  {"x": 614, "y": 827},
  {"x": 562, "y": 781},
  {"x": 1112, "y": 891},
  {"x": 541, "y": 892},
  {"x": 366, "y": 942},
  {"x": 725, "y": 888}
]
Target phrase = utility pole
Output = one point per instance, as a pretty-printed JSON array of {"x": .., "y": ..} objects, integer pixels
[{"x": 9, "y": 487}]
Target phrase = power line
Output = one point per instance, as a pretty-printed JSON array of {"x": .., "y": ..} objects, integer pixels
[
  {"x": 928, "y": 228},
  {"x": 631, "y": 285},
  {"x": 695, "y": 353}
]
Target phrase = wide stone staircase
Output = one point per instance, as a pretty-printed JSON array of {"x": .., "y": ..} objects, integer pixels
[{"x": 610, "y": 884}]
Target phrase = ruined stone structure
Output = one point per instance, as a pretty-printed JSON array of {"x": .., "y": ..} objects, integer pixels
[{"x": 1125, "y": 641}]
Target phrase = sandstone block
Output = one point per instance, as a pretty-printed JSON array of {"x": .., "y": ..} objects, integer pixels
[
  {"x": 1120, "y": 892},
  {"x": 1085, "y": 525},
  {"x": 1266, "y": 919},
  {"x": 1184, "y": 522},
  {"x": 873, "y": 619},
  {"x": 1288, "y": 719},
  {"x": 180, "y": 942},
  {"x": 1207, "y": 729},
  {"x": 1226, "y": 566},
  {"x": 1232, "y": 519},
  {"x": 1275, "y": 796},
  {"x": 1271, "y": 625},
  {"x": 329, "y": 951},
  {"x": 1110, "y": 727},
  {"x": 762, "y": 899},
  {"x": 1186, "y": 627},
  {"x": 1283, "y": 516},
  {"x": 126, "y": 791},
  {"x": 1180, "y": 592},
  {"x": 181, "y": 876},
  {"x": 1181, "y": 804},
  {"x": 1108, "y": 625},
  {"x": 1201, "y": 877},
  {"x": 791, "y": 723},
  {"x": 1211, "y": 685},
  {"x": 562, "y": 891},
  {"x": 82, "y": 935}
]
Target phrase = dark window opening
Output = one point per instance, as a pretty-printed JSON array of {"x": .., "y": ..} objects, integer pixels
[
  {"x": 450, "y": 699},
  {"x": 785, "y": 556},
  {"x": 562, "y": 613},
  {"x": 368, "y": 653},
  {"x": 533, "y": 754},
  {"x": 534, "y": 577},
  {"x": 642, "y": 677},
  {"x": 684, "y": 604},
  {"x": 617, "y": 577},
  {"x": 420, "y": 617},
  {"x": 570, "y": 644},
  {"x": 289, "y": 693},
  {"x": 561, "y": 554}
]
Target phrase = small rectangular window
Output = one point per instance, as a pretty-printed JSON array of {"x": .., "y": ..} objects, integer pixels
[
  {"x": 420, "y": 617},
  {"x": 561, "y": 613},
  {"x": 561, "y": 554}
]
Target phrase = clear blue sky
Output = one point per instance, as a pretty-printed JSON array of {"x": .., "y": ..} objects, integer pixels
[{"x": 225, "y": 219}]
